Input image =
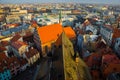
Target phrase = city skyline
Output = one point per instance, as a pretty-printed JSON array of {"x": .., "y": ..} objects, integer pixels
[{"x": 61, "y": 1}]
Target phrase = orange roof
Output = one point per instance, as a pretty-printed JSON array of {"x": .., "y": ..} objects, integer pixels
[
  {"x": 116, "y": 33},
  {"x": 52, "y": 32},
  {"x": 69, "y": 32}
]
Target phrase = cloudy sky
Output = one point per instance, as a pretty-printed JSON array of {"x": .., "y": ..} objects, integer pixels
[{"x": 56, "y": 1}]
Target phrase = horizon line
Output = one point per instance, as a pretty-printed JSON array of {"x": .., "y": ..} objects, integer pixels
[{"x": 62, "y": 2}]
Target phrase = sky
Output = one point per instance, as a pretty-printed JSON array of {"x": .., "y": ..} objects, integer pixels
[{"x": 57, "y": 1}]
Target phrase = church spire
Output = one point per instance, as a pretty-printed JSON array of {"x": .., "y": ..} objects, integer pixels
[{"x": 60, "y": 17}]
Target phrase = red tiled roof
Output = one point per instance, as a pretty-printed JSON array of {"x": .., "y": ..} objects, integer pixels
[
  {"x": 3, "y": 58},
  {"x": 23, "y": 62},
  {"x": 15, "y": 38},
  {"x": 2, "y": 49},
  {"x": 14, "y": 25},
  {"x": 116, "y": 33},
  {"x": 28, "y": 34},
  {"x": 18, "y": 44},
  {"x": 31, "y": 53},
  {"x": 8, "y": 62},
  {"x": 95, "y": 74},
  {"x": 94, "y": 59},
  {"x": 52, "y": 32},
  {"x": 12, "y": 62},
  {"x": 4, "y": 43},
  {"x": 100, "y": 45},
  {"x": 110, "y": 58},
  {"x": 105, "y": 50},
  {"x": 111, "y": 68}
]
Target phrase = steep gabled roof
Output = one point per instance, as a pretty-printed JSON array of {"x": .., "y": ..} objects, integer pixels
[
  {"x": 18, "y": 44},
  {"x": 31, "y": 53},
  {"x": 110, "y": 58},
  {"x": 69, "y": 32},
  {"x": 2, "y": 49},
  {"x": 52, "y": 32},
  {"x": 4, "y": 43},
  {"x": 15, "y": 38},
  {"x": 12, "y": 62},
  {"x": 3, "y": 63}
]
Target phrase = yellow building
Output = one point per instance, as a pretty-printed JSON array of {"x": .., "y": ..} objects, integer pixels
[{"x": 1, "y": 11}]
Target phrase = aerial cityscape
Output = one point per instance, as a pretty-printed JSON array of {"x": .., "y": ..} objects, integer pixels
[{"x": 59, "y": 40}]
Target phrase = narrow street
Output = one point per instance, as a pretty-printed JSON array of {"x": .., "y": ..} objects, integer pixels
[
  {"x": 39, "y": 71},
  {"x": 43, "y": 70}
]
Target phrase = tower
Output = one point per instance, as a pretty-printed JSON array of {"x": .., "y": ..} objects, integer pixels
[{"x": 60, "y": 17}]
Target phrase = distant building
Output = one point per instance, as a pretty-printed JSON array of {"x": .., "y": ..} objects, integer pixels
[
  {"x": 12, "y": 25},
  {"x": 66, "y": 11},
  {"x": 18, "y": 12},
  {"x": 6, "y": 33},
  {"x": 76, "y": 11},
  {"x": 112, "y": 37},
  {"x": 13, "y": 19},
  {"x": 15, "y": 30}
]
